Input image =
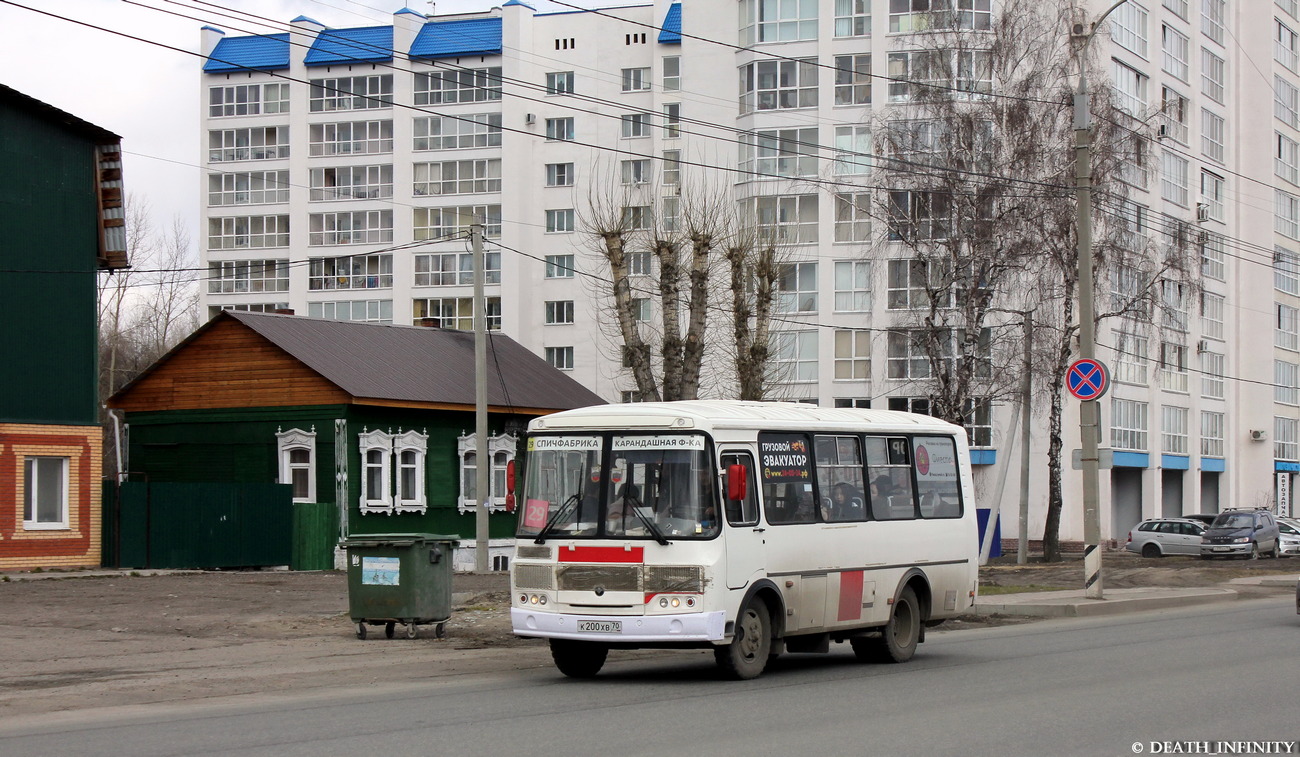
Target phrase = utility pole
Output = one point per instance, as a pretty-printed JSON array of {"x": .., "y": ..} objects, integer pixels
[
  {"x": 483, "y": 465},
  {"x": 1022, "y": 549},
  {"x": 1089, "y": 428}
]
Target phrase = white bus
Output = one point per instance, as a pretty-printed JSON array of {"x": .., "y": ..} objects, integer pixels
[{"x": 752, "y": 528}]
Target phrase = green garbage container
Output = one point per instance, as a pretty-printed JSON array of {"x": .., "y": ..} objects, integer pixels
[{"x": 399, "y": 579}]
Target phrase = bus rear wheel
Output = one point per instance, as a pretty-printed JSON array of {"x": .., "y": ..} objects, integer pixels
[
  {"x": 578, "y": 659},
  {"x": 747, "y": 655},
  {"x": 899, "y": 637}
]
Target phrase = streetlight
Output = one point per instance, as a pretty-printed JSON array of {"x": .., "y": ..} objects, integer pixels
[{"x": 1089, "y": 428}]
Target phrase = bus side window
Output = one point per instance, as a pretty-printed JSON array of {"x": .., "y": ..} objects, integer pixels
[
  {"x": 889, "y": 471},
  {"x": 740, "y": 512}
]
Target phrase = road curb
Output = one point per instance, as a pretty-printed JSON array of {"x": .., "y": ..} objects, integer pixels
[{"x": 1072, "y": 604}]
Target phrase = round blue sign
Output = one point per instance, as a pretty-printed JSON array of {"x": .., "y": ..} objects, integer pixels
[{"x": 1087, "y": 379}]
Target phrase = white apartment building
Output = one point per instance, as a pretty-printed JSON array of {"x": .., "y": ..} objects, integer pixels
[{"x": 346, "y": 165}]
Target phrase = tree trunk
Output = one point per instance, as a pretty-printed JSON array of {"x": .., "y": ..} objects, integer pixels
[
  {"x": 637, "y": 351},
  {"x": 697, "y": 320},
  {"x": 670, "y": 300}
]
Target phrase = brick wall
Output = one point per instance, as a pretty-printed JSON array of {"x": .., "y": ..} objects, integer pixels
[{"x": 78, "y": 544}]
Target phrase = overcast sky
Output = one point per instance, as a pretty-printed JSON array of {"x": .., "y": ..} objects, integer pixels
[{"x": 149, "y": 94}]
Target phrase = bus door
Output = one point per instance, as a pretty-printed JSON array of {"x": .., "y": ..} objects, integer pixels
[{"x": 743, "y": 535}]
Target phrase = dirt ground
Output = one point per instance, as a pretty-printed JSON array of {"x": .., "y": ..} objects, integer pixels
[{"x": 71, "y": 642}]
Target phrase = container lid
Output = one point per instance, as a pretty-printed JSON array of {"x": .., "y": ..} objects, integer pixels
[{"x": 395, "y": 540}]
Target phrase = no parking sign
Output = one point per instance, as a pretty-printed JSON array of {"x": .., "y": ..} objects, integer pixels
[{"x": 1087, "y": 379}]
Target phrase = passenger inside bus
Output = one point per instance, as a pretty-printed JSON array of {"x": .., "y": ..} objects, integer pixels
[{"x": 846, "y": 503}]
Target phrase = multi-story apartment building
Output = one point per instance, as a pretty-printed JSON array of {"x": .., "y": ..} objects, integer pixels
[{"x": 345, "y": 167}]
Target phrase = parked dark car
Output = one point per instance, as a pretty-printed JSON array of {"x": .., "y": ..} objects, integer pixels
[
  {"x": 1165, "y": 536},
  {"x": 1241, "y": 533}
]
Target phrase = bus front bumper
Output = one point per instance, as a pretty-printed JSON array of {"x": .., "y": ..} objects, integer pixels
[{"x": 697, "y": 626}]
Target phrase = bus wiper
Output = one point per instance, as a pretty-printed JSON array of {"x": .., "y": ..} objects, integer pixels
[
  {"x": 649, "y": 524},
  {"x": 555, "y": 518}
]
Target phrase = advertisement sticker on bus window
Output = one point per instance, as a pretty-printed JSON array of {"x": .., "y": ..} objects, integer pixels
[
  {"x": 936, "y": 459},
  {"x": 563, "y": 443},
  {"x": 784, "y": 457},
  {"x": 658, "y": 441}
]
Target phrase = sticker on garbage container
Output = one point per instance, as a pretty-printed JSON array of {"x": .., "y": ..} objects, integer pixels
[{"x": 380, "y": 571}]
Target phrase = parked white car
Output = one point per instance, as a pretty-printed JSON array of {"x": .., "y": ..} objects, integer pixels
[{"x": 1288, "y": 537}]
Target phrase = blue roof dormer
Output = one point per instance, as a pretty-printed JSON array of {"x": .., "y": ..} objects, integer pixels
[
  {"x": 367, "y": 44},
  {"x": 671, "y": 32},
  {"x": 448, "y": 39},
  {"x": 517, "y": 2},
  {"x": 269, "y": 52}
]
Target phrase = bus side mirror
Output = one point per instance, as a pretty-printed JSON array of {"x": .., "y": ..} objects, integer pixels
[
  {"x": 510, "y": 477},
  {"x": 737, "y": 477}
]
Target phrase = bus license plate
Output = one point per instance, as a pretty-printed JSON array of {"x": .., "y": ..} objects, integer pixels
[{"x": 600, "y": 626}]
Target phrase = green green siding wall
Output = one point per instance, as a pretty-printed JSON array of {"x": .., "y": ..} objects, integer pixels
[{"x": 48, "y": 211}]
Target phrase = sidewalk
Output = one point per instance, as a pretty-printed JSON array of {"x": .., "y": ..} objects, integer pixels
[{"x": 1072, "y": 603}]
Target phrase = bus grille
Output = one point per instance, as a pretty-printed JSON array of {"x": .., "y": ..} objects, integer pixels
[
  {"x": 534, "y": 577},
  {"x": 665, "y": 579},
  {"x": 609, "y": 577},
  {"x": 533, "y": 552}
]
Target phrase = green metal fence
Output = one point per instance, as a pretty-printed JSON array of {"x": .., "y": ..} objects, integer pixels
[{"x": 315, "y": 533}]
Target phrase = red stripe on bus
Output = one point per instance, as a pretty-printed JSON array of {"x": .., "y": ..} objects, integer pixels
[
  {"x": 602, "y": 554},
  {"x": 850, "y": 595}
]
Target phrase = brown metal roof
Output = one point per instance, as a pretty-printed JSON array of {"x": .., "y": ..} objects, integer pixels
[{"x": 416, "y": 364}]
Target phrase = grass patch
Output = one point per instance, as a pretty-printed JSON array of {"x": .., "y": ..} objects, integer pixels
[{"x": 989, "y": 590}]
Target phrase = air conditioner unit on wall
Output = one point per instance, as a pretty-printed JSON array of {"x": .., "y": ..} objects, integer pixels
[
  {"x": 1202, "y": 212},
  {"x": 1162, "y": 131},
  {"x": 1202, "y": 346},
  {"x": 1258, "y": 435},
  {"x": 530, "y": 118}
]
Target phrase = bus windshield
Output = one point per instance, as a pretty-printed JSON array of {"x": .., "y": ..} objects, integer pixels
[{"x": 649, "y": 486}]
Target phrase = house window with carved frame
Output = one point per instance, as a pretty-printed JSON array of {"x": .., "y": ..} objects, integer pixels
[
  {"x": 297, "y": 455},
  {"x": 501, "y": 451}
]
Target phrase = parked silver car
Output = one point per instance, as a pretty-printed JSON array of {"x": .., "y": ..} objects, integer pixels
[
  {"x": 1288, "y": 537},
  {"x": 1166, "y": 536}
]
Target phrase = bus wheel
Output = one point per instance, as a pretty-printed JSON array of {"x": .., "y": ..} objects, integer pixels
[
  {"x": 747, "y": 654},
  {"x": 898, "y": 639},
  {"x": 578, "y": 659}
]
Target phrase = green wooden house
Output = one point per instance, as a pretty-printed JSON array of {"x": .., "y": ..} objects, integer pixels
[{"x": 374, "y": 422}]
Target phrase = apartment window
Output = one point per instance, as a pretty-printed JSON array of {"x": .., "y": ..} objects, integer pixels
[
  {"x": 853, "y": 80},
  {"x": 636, "y": 80},
  {"x": 1128, "y": 28},
  {"x": 907, "y": 356},
  {"x": 241, "y": 276},
  {"x": 635, "y": 171},
  {"x": 559, "y": 267},
  {"x": 297, "y": 454},
  {"x": 1212, "y": 364},
  {"x": 261, "y": 143},
  {"x": 559, "y": 129},
  {"x": 1212, "y": 137},
  {"x": 852, "y": 18},
  {"x": 1286, "y": 162},
  {"x": 456, "y": 177},
  {"x": 672, "y": 120},
  {"x": 1173, "y": 430},
  {"x": 1211, "y": 434},
  {"x": 1286, "y": 102},
  {"x": 1213, "y": 74},
  {"x": 1212, "y": 191},
  {"x": 248, "y": 232},
  {"x": 350, "y": 138},
  {"x": 1212, "y": 12},
  {"x": 922, "y": 15},
  {"x": 778, "y": 85},
  {"x": 558, "y": 221},
  {"x": 852, "y": 150},
  {"x": 559, "y": 312},
  {"x": 639, "y": 263},
  {"x": 918, "y": 215},
  {"x": 670, "y": 216},
  {"x": 861, "y": 403},
  {"x": 1286, "y": 382},
  {"x": 1287, "y": 333},
  {"x": 248, "y": 188},
  {"x": 560, "y": 357},
  {"x": 559, "y": 83},
  {"x": 1212, "y": 257},
  {"x": 248, "y": 99},
  {"x": 458, "y": 133},
  {"x": 1287, "y": 216},
  {"x": 672, "y": 167},
  {"x": 794, "y": 356},
  {"x": 1126, "y": 288},
  {"x": 1133, "y": 224},
  {"x": 1286, "y": 271},
  {"x": 358, "y": 227},
  {"x": 248, "y": 307},
  {"x": 852, "y": 355},
  {"x": 631, "y": 396},
  {"x": 852, "y": 286},
  {"x": 779, "y": 152},
  {"x": 910, "y": 282},
  {"x": 365, "y": 311},
  {"x": 455, "y": 268},
  {"x": 637, "y": 217},
  {"x": 767, "y": 21},
  {"x": 1285, "y": 446},
  {"x": 1291, "y": 7},
  {"x": 1173, "y": 178},
  {"x": 1133, "y": 167},
  {"x": 351, "y": 183},
  {"x": 1128, "y": 425},
  {"x": 455, "y": 313},
  {"x": 1131, "y": 360},
  {"x": 466, "y": 85},
  {"x": 1174, "y": 44},
  {"x": 1212, "y": 315},
  {"x": 1174, "y": 301},
  {"x": 636, "y": 125},
  {"x": 796, "y": 288},
  {"x": 853, "y": 217},
  {"x": 559, "y": 174},
  {"x": 442, "y": 223},
  {"x": 1286, "y": 45},
  {"x": 1173, "y": 107},
  {"x": 672, "y": 73},
  {"x": 786, "y": 219},
  {"x": 1130, "y": 90},
  {"x": 351, "y": 93},
  {"x": 1179, "y": 7},
  {"x": 639, "y": 308},
  {"x": 351, "y": 272}
]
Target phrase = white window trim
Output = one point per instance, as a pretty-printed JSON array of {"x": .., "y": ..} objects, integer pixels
[
  {"x": 411, "y": 441},
  {"x": 467, "y": 444},
  {"x": 64, "y": 523},
  {"x": 382, "y": 442},
  {"x": 286, "y": 442}
]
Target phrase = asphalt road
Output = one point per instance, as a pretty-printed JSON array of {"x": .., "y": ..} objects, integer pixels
[{"x": 1222, "y": 672}]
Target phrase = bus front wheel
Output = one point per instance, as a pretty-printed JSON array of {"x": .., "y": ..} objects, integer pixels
[
  {"x": 898, "y": 639},
  {"x": 747, "y": 654},
  {"x": 578, "y": 659}
]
